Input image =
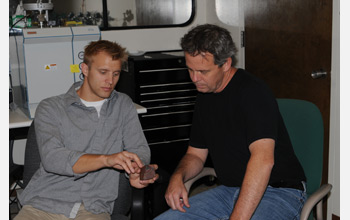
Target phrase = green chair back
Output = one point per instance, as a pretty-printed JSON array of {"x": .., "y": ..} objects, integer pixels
[{"x": 305, "y": 127}]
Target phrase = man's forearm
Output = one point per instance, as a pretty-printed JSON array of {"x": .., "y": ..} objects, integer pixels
[
  {"x": 190, "y": 165},
  {"x": 89, "y": 163},
  {"x": 256, "y": 179},
  {"x": 251, "y": 192},
  {"x": 188, "y": 168}
]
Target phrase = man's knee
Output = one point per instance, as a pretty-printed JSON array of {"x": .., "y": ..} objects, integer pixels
[
  {"x": 30, "y": 213},
  {"x": 83, "y": 214},
  {"x": 169, "y": 215}
]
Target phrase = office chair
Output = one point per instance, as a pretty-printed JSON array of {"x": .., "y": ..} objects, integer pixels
[
  {"x": 305, "y": 127},
  {"x": 129, "y": 199}
]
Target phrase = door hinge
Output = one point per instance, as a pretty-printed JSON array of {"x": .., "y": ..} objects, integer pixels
[{"x": 242, "y": 39}]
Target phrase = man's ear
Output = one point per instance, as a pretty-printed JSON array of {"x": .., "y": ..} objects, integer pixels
[
  {"x": 227, "y": 64},
  {"x": 85, "y": 69}
]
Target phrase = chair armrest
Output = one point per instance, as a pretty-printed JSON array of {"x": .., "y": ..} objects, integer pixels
[
  {"x": 138, "y": 204},
  {"x": 315, "y": 199},
  {"x": 207, "y": 171}
]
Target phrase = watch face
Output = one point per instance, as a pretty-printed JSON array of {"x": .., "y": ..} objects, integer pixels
[{"x": 81, "y": 55}]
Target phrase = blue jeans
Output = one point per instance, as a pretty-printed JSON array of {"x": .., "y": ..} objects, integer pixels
[{"x": 218, "y": 203}]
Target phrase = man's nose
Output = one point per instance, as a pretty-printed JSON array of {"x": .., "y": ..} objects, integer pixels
[
  {"x": 109, "y": 79},
  {"x": 195, "y": 76}
]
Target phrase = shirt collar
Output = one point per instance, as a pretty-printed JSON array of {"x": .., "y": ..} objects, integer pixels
[{"x": 72, "y": 97}]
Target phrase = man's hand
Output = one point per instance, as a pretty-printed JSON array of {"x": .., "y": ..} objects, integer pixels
[
  {"x": 190, "y": 165},
  {"x": 124, "y": 161},
  {"x": 176, "y": 195},
  {"x": 120, "y": 161},
  {"x": 134, "y": 177}
]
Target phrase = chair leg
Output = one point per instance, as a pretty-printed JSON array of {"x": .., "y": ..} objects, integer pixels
[{"x": 319, "y": 212}]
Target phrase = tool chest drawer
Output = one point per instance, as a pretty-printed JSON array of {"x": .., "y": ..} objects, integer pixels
[{"x": 161, "y": 83}]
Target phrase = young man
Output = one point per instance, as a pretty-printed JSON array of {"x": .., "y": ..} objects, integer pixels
[
  {"x": 237, "y": 122},
  {"x": 87, "y": 138}
]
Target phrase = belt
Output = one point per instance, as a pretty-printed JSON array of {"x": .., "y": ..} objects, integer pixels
[{"x": 296, "y": 185}]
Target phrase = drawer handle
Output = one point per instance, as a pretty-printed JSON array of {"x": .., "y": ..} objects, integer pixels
[
  {"x": 176, "y": 98},
  {"x": 166, "y": 84},
  {"x": 168, "y": 142},
  {"x": 170, "y": 106},
  {"x": 162, "y": 128},
  {"x": 160, "y": 70},
  {"x": 168, "y": 113},
  {"x": 165, "y": 92}
]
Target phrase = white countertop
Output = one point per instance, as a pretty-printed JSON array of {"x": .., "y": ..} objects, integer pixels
[{"x": 18, "y": 119}]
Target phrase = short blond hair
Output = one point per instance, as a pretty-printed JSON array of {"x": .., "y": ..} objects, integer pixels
[{"x": 116, "y": 51}]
